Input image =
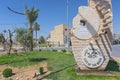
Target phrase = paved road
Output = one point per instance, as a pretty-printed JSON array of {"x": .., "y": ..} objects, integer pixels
[
  {"x": 116, "y": 50},
  {"x": 53, "y": 48},
  {"x": 43, "y": 48}
]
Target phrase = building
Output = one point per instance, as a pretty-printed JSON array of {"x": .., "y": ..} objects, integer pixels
[
  {"x": 59, "y": 36},
  {"x": 116, "y": 39}
]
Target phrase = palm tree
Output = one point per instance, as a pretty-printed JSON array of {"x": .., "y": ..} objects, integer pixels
[
  {"x": 36, "y": 28},
  {"x": 32, "y": 15},
  {"x": 4, "y": 32}
]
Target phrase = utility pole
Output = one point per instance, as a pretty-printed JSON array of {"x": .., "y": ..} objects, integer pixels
[
  {"x": 67, "y": 12},
  {"x": 67, "y": 44}
]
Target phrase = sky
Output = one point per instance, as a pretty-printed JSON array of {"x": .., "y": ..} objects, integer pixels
[{"x": 51, "y": 14}]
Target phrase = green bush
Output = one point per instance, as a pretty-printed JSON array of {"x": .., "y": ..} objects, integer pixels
[
  {"x": 64, "y": 50},
  {"x": 54, "y": 50},
  {"x": 41, "y": 70},
  {"x": 15, "y": 51},
  {"x": 70, "y": 51},
  {"x": 40, "y": 49},
  {"x": 7, "y": 72},
  {"x": 112, "y": 66}
]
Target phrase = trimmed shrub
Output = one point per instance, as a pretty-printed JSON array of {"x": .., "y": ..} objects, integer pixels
[
  {"x": 7, "y": 72},
  {"x": 40, "y": 50},
  {"x": 41, "y": 70},
  {"x": 64, "y": 50},
  {"x": 54, "y": 50}
]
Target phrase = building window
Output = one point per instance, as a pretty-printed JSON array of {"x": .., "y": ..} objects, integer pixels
[{"x": 82, "y": 22}]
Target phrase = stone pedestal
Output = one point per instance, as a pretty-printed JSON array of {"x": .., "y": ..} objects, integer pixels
[{"x": 78, "y": 47}]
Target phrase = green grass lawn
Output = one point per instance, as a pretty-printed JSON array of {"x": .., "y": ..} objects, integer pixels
[{"x": 62, "y": 65}]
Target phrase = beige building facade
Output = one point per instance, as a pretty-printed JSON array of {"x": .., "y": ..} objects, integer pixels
[{"x": 59, "y": 36}]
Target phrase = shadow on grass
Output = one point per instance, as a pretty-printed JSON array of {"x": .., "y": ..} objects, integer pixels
[
  {"x": 37, "y": 59},
  {"x": 56, "y": 72},
  {"x": 112, "y": 66}
]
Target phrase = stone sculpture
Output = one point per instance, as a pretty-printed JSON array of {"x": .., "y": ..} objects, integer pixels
[{"x": 92, "y": 35}]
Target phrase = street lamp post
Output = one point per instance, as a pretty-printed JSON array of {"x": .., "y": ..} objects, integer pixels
[
  {"x": 67, "y": 12},
  {"x": 67, "y": 44}
]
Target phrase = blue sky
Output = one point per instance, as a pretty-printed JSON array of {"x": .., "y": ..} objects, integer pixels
[{"x": 52, "y": 13}]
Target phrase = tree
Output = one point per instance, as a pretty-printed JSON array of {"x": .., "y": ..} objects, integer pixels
[
  {"x": 10, "y": 41},
  {"x": 2, "y": 41},
  {"x": 22, "y": 37},
  {"x": 36, "y": 28},
  {"x": 42, "y": 40},
  {"x": 4, "y": 32},
  {"x": 32, "y": 15}
]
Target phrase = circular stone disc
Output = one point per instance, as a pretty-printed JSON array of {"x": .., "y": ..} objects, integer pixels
[
  {"x": 86, "y": 24},
  {"x": 92, "y": 57}
]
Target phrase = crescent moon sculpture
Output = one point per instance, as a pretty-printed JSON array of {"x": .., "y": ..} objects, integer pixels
[{"x": 92, "y": 35}]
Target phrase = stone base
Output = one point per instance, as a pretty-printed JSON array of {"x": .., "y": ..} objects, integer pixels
[
  {"x": 78, "y": 47},
  {"x": 96, "y": 73}
]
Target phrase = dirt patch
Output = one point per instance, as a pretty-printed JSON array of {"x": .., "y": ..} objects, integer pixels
[{"x": 26, "y": 73}]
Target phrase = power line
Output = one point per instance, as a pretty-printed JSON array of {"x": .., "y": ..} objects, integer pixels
[
  {"x": 15, "y": 11},
  {"x": 13, "y": 24}
]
